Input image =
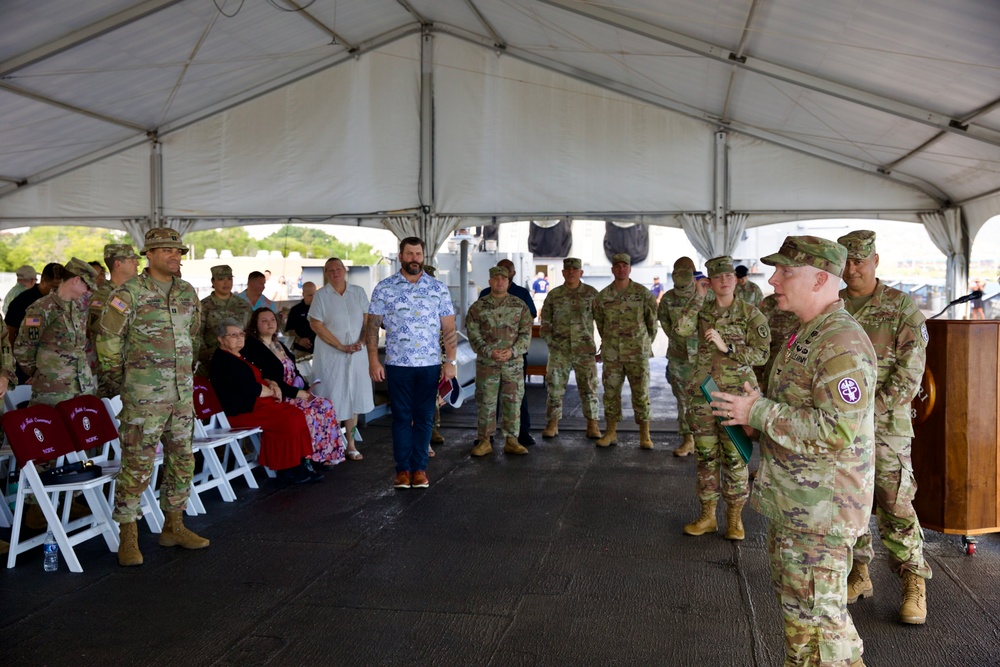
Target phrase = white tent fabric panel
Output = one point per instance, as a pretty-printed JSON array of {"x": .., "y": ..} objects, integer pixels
[
  {"x": 807, "y": 183},
  {"x": 979, "y": 212},
  {"x": 512, "y": 137},
  {"x": 344, "y": 141},
  {"x": 112, "y": 188}
]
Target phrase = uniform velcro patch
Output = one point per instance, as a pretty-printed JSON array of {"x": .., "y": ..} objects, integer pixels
[
  {"x": 32, "y": 321},
  {"x": 118, "y": 305}
]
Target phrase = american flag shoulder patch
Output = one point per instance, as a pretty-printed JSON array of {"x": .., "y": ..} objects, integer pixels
[
  {"x": 118, "y": 305},
  {"x": 32, "y": 321}
]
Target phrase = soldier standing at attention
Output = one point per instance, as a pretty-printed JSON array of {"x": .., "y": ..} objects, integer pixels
[
  {"x": 732, "y": 338},
  {"x": 145, "y": 352},
  {"x": 499, "y": 329},
  {"x": 682, "y": 351},
  {"x": 746, "y": 289},
  {"x": 52, "y": 342},
  {"x": 816, "y": 474},
  {"x": 568, "y": 330},
  {"x": 122, "y": 263},
  {"x": 782, "y": 323},
  {"x": 897, "y": 331},
  {"x": 215, "y": 307},
  {"x": 625, "y": 313}
]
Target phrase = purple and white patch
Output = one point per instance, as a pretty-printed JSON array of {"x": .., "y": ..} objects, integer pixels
[{"x": 849, "y": 391}]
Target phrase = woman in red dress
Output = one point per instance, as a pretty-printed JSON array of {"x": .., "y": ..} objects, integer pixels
[{"x": 249, "y": 400}]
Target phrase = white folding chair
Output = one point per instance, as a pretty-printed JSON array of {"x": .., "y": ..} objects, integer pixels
[
  {"x": 208, "y": 408},
  {"x": 37, "y": 434},
  {"x": 15, "y": 396}
]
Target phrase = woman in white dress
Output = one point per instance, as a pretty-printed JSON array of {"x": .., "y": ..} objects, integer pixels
[{"x": 338, "y": 314}]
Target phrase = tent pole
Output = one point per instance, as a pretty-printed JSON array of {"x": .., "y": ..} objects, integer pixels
[{"x": 720, "y": 187}]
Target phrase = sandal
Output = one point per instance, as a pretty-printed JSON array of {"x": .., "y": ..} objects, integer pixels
[
  {"x": 353, "y": 455},
  {"x": 430, "y": 451}
]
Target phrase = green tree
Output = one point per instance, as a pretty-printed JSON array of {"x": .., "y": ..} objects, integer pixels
[
  {"x": 315, "y": 243},
  {"x": 40, "y": 245},
  {"x": 235, "y": 239}
]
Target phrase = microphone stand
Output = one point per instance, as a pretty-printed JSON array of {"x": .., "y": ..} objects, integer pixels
[{"x": 977, "y": 294}]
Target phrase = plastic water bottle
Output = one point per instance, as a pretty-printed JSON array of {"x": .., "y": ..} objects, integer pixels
[{"x": 51, "y": 549}]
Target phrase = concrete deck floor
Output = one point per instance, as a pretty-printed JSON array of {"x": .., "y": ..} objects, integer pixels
[{"x": 571, "y": 555}]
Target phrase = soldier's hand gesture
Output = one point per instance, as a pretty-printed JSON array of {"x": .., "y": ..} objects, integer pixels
[
  {"x": 701, "y": 287},
  {"x": 715, "y": 338},
  {"x": 735, "y": 409}
]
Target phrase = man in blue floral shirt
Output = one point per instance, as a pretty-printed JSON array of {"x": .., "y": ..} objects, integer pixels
[{"x": 417, "y": 314}]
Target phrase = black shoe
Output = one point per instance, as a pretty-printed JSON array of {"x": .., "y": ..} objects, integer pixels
[
  {"x": 525, "y": 440},
  {"x": 296, "y": 475}
]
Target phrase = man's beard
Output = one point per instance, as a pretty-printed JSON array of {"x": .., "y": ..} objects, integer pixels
[{"x": 413, "y": 268}]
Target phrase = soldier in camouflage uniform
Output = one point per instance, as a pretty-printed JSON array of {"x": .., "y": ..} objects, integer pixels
[
  {"x": 499, "y": 329},
  {"x": 746, "y": 289},
  {"x": 782, "y": 324},
  {"x": 145, "y": 353},
  {"x": 732, "y": 338},
  {"x": 215, "y": 307},
  {"x": 625, "y": 314},
  {"x": 568, "y": 330},
  {"x": 682, "y": 351},
  {"x": 52, "y": 342},
  {"x": 122, "y": 263},
  {"x": 897, "y": 330},
  {"x": 816, "y": 475},
  {"x": 8, "y": 379}
]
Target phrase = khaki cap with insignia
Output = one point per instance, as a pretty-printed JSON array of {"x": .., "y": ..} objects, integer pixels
[
  {"x": 572, "y": 263},
  {"x": 810, "y": 251},
  {"x": 76, "y": 267},
  {"x": 860, "y": 244},
  {"x": 163, "y": 237},
  {"x": 430, "y": 270},
  {"x": 623, "y": 257},
  {"x": 26, "y": 272},
  {"x": 682, "y": 277},
  {"x": 113, "y": 251},
  {"x": 499, "y": 271},
  {"x": 221, "y": 272},
  {"x": 719, "y": 265}
]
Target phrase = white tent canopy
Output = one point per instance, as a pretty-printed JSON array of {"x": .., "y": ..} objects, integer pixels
[{"x": 425, "y": 116}]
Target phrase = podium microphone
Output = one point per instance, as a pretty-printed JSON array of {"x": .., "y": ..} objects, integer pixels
[{"x": 972, "y": 296}]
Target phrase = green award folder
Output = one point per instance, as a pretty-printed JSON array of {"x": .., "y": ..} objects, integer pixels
[{"x": 736, "y": 433}]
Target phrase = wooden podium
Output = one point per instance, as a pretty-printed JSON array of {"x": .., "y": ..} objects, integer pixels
[{"x": 956, "y": 447}]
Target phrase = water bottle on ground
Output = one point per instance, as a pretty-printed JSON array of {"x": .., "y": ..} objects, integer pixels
[{"x": 51, "y": 549}]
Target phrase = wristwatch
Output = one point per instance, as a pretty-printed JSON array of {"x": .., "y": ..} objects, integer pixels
[{"x": 453, "y": 362}]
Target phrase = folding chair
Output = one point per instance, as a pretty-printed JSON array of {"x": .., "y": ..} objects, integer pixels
[
  {"x": 15, "y": 396},
  {"x": 37, "y": 434},
  {"x": 91, "y": 425},
  {"x": 207, "y": 407}
]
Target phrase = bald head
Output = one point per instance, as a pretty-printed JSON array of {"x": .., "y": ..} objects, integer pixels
[{"x": 308, "y": 292}]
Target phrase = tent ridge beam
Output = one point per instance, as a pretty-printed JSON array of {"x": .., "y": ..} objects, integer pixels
[
  {"x": 71, "y": 108},
  {"x": 337, "y": 39},
  {"x": 498, "y": 41},
  {"x": 413, "y": 12},
  {"x": 715, "y": 52}
]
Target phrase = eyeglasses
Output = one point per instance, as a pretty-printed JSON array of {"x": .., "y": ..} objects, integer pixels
[{"x": 238, "y": 334}]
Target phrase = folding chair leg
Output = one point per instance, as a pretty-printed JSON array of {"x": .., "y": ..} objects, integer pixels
[
  {"x": 151, "y": 511},
  {"x": 102, "y": 513},
  {"x": 55, "y": 526}
]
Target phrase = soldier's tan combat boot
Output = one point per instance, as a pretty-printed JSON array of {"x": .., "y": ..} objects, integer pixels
[
  {"x": 859, "y": 584},
  {"x": 914, "y": 607},
  {"x": 483, "y": 447},
  {"x": 706, "y": 523},
  {"x": 34, "y": 518},
  {"x": 687, "y": 447},
  {"x": 592, "y": 431},
  {"x": 436, "y": 437},
  {"x": 734, "y": 522},
  {"x": 645, "y": 439},
  {"x": 551, "y": 428},
  {"x": 128, "y": 544},
  {"x": 610, "y": 435},
  {"x": 176, "y": 535},
  {"x": 512, "y": 446}
]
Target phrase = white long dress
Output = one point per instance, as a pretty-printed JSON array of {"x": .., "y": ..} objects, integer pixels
[{"x": 344, "y": 377}]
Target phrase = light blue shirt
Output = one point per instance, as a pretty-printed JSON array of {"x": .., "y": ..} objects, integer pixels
[
  {"x": 411, "y": 314},
  {"x": 262, "y": 302}
]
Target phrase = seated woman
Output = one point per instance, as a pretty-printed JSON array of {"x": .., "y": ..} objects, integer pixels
[
  {"x": 277, "y": 363},
  {"x": 249, "y": 400}
]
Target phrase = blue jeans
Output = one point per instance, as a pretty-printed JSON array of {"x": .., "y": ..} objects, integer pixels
[{"x": 412, "y": 397}]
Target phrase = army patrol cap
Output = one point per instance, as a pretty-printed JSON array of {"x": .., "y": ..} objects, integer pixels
[
  {"x": 572, "y": 263},
  {"x": 113, "y": 251},
  {"x": 499, "y": 271},
  {"x": 810, "y": 251},
  {"x": 623, "y": 257},
  {"x": 718, "y": 265},
  {"x": 163, "y": 237},
  {"x": 682, "y": 277},
  {"x": 221, "y": 272},
  {"x": 859, "y": 244},
  {"x": 430, "y": 270},
  {"x": 76, "y": 267},
  {"x": 26, "y": 272}
]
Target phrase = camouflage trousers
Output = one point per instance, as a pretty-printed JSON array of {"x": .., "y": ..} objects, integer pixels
[
  {"x": 506, "y": 383},
  {"x": 809, "y": 574},
  {"x": 897, "y": 521},
  {"x": 720, "y": 469},
  {"x": 142, "y": 428},
  {"x": 681, "y": 377},
  {"x": 557, "y": 372},
  {"x": 613, "y": 377}
]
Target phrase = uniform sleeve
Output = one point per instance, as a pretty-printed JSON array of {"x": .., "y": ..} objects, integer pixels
[
  {"x": 687, "y": 319},
  {"x": 842, "y": 390},
  {"x": 903, "y": 382},
  {"x": 523, "y": 340},
  {"x": 755, "y": 347},
  {"x": 545, "y": 332},
  {"x": 115, "y": 320},
  {"x": 663, "y": 316},
  {"x": 599, "y": 314},
  {"x": 649, "y": 314},
  {"x": 26, "y": 343},
  {"x": 7, "y": 357},
  {"x": 474, "y": 333},
  {"x": 195, "y": 329}
]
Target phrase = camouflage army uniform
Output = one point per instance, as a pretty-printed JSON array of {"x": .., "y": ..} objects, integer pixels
[
  {"x": 626, "y": 322},
  {"x": 682, "y": 351},
  {"x": 782, "y": 324},
  {"x": 896, "y": 328},
  {"x": 51, "y": 347},
  {"x": 213, "y": 311},
  {"x": 499, "y": 324},
  {"x": 144, "y": 349},
  {"x": 745, "y": 329},
  {"x": 750, "y": 293},
  {"x": 568, "y": 330},
  {"x": 7, "y": 358},
  {"x": 97, "y": 300}
]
